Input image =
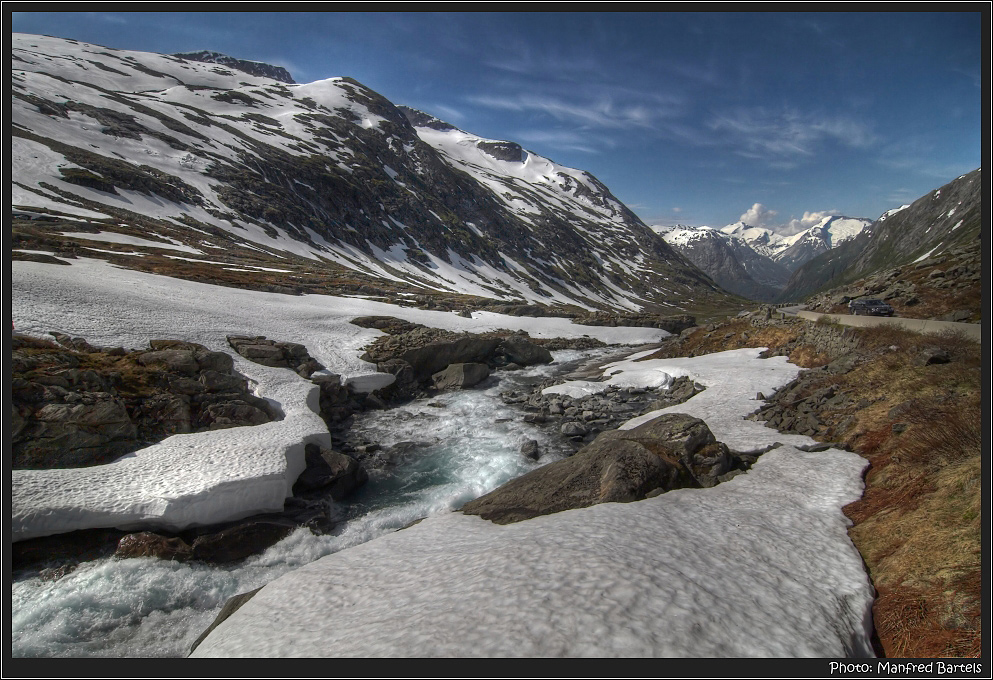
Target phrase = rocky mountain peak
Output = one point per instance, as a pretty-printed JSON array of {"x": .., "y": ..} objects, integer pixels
[
  {"x": 421, "y": 119},
  {"x": 255, "y": 68}
]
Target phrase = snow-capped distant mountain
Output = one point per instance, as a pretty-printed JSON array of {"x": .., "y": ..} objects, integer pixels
[
  {"x": 829, "y": 233},
  {"x": 792, "y": 251},
  {"x": 756, "y": 262},
  {"x": 328, "y": 182},
  {"x": 763, "y": 241},
  {"x": 729, "y": 260}
]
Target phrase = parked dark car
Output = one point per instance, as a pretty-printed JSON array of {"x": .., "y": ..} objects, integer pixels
[{"x": 870, "y": 307}]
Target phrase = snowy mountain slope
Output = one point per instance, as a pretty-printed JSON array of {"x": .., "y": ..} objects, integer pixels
[
  {"x": 729, "y": 260},
  {"x": 829, "y": 233},
  {"x": 945, "y": 218},
  {"x": 326, "y": 175}
]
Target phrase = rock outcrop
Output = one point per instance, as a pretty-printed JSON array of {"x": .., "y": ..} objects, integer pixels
[
  {"x": 424, "y": 359},
  {"x": 76, "y": 405},
  {"x": 267, "y": 352},
  {"x": 581, "y": 419}
]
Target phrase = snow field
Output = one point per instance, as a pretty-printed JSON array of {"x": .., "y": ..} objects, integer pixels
[
  {"x": 208, "y": 477},
  {"x": 758, "y": 566}
]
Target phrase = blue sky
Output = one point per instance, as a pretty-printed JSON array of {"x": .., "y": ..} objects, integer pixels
[{"x": 688, "y": 118}]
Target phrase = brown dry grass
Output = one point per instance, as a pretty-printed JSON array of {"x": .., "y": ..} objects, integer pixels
[
  {"x": 739, "y": 333},
  {"x": 919, "y": 523}
]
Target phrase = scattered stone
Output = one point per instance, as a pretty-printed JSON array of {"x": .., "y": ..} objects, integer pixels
[
  {"x": 530, "y": 449},
  {"x": 148, "y": 544},
  {"x": 932, "y": 355},
  {"x": 572, "y": 429},
  {"x": 460, "y": 376}
]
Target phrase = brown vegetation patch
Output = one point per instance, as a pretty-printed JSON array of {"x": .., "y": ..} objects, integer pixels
[
  {"x": 912, "y": 405},
  {"x": 918, "y": 525}
]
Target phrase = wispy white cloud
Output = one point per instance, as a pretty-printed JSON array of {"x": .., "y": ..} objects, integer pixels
[
  {"x": 564, "y": 140},
  {"x": 787, "y": 135},
  {"x": 602, "y": 113},
  {"x": 920, "y": 157},
  {"x": 447, "y": 113},
  {"x": 115, "y": 19}
]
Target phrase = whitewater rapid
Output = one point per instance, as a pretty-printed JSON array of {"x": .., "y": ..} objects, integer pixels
[{"x": 467, "y": 444}]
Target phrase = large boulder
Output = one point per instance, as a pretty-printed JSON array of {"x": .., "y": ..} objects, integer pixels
[
  {"x": 329, "y": 473},
  {"x": 521, "y": 351},
  {"x": 669, "y": 452},
  {"x": 460, "y": 376}
]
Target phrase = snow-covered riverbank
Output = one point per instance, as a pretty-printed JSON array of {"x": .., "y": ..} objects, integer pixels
[{"x": 760, "y": 565}]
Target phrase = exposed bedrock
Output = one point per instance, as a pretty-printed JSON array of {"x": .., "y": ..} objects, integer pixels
[{"x": 75, "y": 405}]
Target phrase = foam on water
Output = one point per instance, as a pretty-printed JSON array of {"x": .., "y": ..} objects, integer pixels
[{"x": 149, "y": 607}]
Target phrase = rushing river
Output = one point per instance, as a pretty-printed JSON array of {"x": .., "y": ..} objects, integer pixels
[{"x": 462, "y": 445}]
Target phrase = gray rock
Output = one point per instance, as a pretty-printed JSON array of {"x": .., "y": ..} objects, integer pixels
[
  {"x": 240, "y": 541},
  {"x": 234, "y": 414},
  {"x": 329, "y": 473},
  {"x": 522, "y": 351},
  {"x": 530, "y": 449},
  {"x": 671, "y": 451},
  {"x": 573, "y": 429},
  {"x": 171, "y": 412},
  {"x": 933, "y": 355},
  {"x": 460, "y": 376},
  {"x": 222, "y": 362},
  {"x": 148, "y": 544}
]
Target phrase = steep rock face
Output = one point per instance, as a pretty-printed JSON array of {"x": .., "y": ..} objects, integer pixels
[
  {"x": 327, "y": 175},
  {"x": 940, "y": 220}
]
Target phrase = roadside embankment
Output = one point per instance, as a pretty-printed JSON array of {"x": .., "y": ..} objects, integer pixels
[{"x": 973, "y": 331}]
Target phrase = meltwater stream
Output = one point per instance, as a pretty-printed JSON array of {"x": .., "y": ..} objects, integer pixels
[{"x": 462, "y": 445}]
